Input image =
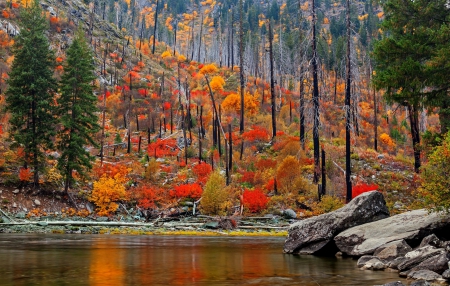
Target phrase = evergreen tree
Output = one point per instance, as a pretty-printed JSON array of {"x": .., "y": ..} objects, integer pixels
[
  {"x": 411, "y": 62},
  {"x": 77, "y": 110},
  {"x": 30, "y": 96}
]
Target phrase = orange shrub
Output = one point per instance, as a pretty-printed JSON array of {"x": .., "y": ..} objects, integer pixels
[{"x": 25, "y": 174}]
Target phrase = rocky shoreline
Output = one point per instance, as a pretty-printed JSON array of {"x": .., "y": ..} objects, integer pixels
[
  {"x": 415, "y": 244},
  {"x": 199, "y": 225}
]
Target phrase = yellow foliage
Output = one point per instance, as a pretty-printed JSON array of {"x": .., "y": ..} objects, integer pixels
[
  {"x": 106, "y": 192},
  {"x": 217, "y": 83},
  {"x": 363, "y": 17},
  {"x": 387, "y": 140},
  {"x": 166, "y": 54},
  {"x": 181, "y": 58},
  {"x": 215, "y": 195},
  {"x": 289, "y": 179},
  {"x": 208, "y": 69},
  {"x": 233, "y": 103},
  {"x": 326, "y": 21}
]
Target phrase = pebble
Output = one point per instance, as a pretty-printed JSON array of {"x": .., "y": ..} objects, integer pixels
[
  {"x": 16, "y": 191},
  {"x": 1, "y": 191},
  {"x": 58, "y": 197},
  {"x": 37, "y": 202},
  {"x": 14, "y": 205},
  {"x": 25, "y": 209}
]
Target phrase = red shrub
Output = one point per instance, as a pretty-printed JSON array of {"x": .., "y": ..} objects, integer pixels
[
  {"x": 193, "y": 191},
  {"x": 202, "y": 172},
  {"x": 256, "y": 134},
  {"x": 255, "y": 200},
  {"x": 362, "y": 188},
  {"x": 146, "y": 197},
  {"x": 166, "y": 147},
  {"x": 265, "y": 164},
  {"x": 248, "y": 177}
]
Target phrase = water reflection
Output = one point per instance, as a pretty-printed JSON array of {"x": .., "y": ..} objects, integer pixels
[{"x": 167, "y": 260}]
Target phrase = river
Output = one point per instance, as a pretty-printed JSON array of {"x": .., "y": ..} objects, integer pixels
[{"x": 54, "y": 259}]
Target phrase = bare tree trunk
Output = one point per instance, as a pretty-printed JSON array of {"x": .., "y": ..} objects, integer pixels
[
  {"x": 347, "y": 113},
  {"x": 154, "y": 28},
  {"x": 241, "y": 64},
  {"x": 315, "y": 98},
  {"x": 272, "y": 84}
]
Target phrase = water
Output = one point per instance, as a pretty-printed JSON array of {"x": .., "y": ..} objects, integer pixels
[{"x": 169, "y": 260}]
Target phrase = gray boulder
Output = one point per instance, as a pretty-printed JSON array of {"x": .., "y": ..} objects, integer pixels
[
  {"x": 437, "y": 263},
  {"x": 289, "y": 214},
  {"x": 415, "y": 257},
  {"x": 392, "y": 250},
  {"x": 311, "y": 235},
  {"x": 396, "y": 283},
  {"x": 446, "y": 274},
  {"x": 426, "y": 275},
  {"x": 374, "y": 264},
  {"x": 363, "y": 259},
  {"x": 411, "y": 226}
]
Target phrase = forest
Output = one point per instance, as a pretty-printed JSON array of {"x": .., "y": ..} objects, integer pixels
[{"x": 225, "y": 107}]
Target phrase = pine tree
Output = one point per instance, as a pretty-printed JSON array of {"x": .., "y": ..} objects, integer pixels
[
  {"x": 30, "y": 96},
  {"x": 77, "y": 110}
]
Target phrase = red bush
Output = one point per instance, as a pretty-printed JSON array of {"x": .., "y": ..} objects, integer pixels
[
  {"x": 256, "y": 134},
  {"x": 193, "y": 191},
  {"x": 146, "y": 197},
  {"x": 248, "y": 177},
  {"x": 166, "y": 147},
  {"x": 255, "y": 200},
  {"x": 362, "y": 188},
  {"x": 202, "y": 172}
]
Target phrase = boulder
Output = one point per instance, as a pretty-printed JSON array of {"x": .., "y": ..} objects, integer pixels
[
  {"x": 426, "y": 275},
  {"x": 392, "y": 250},
  {"x": 363, "y": 259},
  {"x": 394, "y": 263},
  {"x": 437, "y": 263},
  {"x": 374, "y": 264},
  {"x": 415, "y": 257},
  {"x": 309, "y": 236},
  {"x": 446, "y": 274},
  {"x": 432, "y": 240},
  {"x": 396, "y": 283},
  {"x": 289, "y": 214},
  {"x": 411, "y": 226}
]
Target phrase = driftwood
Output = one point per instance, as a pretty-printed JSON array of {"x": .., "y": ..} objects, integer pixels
[
  {"x": 158, "y": 223},
  {"x": 5, "y": 215}
]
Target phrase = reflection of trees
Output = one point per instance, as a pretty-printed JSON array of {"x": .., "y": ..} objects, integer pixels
[{"x": 107, "y": 264}]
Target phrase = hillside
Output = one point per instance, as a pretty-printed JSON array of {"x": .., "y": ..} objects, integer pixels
[{"x": 163, "y": 136}]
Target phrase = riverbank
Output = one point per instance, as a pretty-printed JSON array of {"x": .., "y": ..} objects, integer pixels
[{"x": 194, "y": 226}]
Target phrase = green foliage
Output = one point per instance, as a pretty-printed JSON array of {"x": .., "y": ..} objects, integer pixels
[
  {"x": 435, "y": 189},
  {"x": 30, "y": 95},
  {"x": 214, "y": 195},
  {"x": 77, "y": 109}
]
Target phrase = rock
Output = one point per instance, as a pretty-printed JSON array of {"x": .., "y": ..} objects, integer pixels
[
  {"x": 311, "y": 235},
  {"x": 102, "y": 218},
  {"x": 381, "y": 156},
  {"x": 289, "y": 214},
  {"x": 446, "y": 274},
  {"x": 58, "y": 197},
  {"x": 432, "y": 240},
  {"x": 411, "y": 226},
  {"x": 397, "y": 283},
  {"x": 394, "y": 263},
  {"x": 14, "y": 205},
  {"x": 16, "y": 191},
  {"x": 392, "y": 250},
  {"x": 24, "y": 209},
  {"x": 426, "y": 275},
  {"x": 374, "y": 263},
  {"x": 420, "y": 283},
  {"x": 363, "y": 259},
  {"x": 437, "y": 263},
  {"x": 42, "y": 223},
  {"x": 211, "y": 225},
  {"x": 415, "y": 257},
  {"x": 37, "y": 202},
  {"x": 20, "y": 215},
  {"x": 90, "y": 207}
]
